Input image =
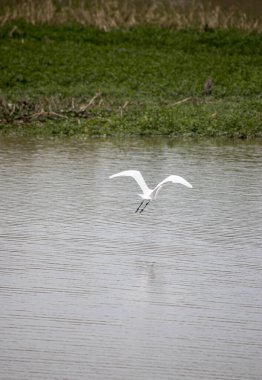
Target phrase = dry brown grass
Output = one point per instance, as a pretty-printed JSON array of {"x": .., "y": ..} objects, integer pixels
[
  {"x": 50, "y": 108},
  {"x": 108, "y": 14}
]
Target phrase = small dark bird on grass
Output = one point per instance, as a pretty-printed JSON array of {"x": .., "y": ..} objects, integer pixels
[{"x": 208, "y": 86}]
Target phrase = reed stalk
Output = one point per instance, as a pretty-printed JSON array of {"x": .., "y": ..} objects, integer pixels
[{"x": 109, "y": 14}]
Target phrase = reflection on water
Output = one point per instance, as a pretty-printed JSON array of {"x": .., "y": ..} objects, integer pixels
[{"x": 91, "y": 290}]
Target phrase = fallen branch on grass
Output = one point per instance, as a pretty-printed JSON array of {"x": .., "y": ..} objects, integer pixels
[
  {"x": 47, "y": 115},
  {"x": 182, "y": 101},
  {"x": 84, "y": 107}
]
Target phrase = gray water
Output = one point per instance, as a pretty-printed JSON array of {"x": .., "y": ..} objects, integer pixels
[{"x": 91, "y": 290}]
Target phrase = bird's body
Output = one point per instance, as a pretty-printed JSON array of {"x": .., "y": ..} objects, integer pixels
[
  {"x": 208, "y": 86},
  {"x": 149, "y": 194}
]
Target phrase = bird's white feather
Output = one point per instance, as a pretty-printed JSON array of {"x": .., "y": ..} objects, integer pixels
[
  {"x": 137, "y": 176},
  {"x": 173, "y": 179}
]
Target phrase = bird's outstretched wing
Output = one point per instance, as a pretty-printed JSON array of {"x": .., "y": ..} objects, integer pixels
[
  {"x": 136, "y": 175},
  {"x": 171, "y": 178}
]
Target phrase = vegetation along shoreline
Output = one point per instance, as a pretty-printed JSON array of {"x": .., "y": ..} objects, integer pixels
[{"x": 144, "y": 80}]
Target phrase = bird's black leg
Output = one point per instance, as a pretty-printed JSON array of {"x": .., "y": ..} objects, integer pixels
[
  {"x": 140, "y": 205},
  {"x": 144, "y": 206}
]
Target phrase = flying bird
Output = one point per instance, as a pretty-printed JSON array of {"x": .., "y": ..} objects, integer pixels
[{"x": 149, "y": 194}]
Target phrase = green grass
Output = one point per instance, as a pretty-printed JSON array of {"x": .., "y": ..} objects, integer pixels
[{"x": 148, "y": 81}]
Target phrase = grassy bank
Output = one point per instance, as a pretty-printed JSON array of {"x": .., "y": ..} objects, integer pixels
[{"x": 145, "y": 80}]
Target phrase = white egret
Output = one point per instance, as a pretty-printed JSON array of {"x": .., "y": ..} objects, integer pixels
[{"x": 149, "y": 194}]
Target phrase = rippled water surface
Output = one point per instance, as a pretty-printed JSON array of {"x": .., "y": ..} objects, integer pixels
[{"x": 91, "y": 290}]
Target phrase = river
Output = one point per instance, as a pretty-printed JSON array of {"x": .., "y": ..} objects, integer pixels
[{"x": 91, "y": 290}]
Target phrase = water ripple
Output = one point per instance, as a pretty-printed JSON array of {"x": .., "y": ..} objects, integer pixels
[{"x": 89, "y": 289}]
